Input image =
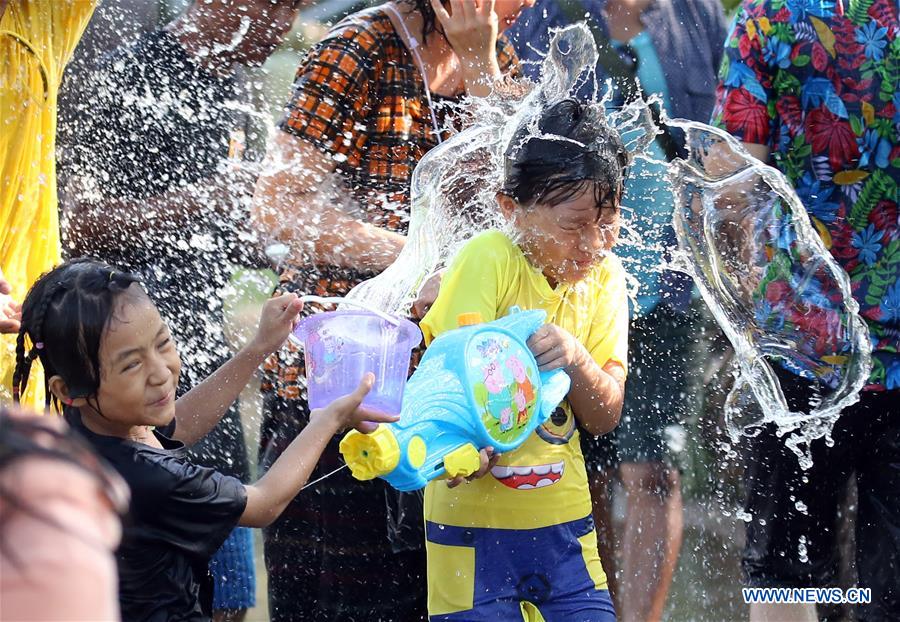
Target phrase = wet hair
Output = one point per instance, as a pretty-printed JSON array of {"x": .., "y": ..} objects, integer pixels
[
  {"x": 23, "y": 437},
  {"x": 430, "y": 24},
  {"x": 571, "y": 145},
  {"x": 64, "y": 317}
]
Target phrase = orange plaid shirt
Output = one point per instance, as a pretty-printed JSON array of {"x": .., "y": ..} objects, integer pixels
[{"x": 358, "y": 95}]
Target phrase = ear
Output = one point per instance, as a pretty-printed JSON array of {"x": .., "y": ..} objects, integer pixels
[
  {"x": 508, "y": 205},
  {"x": 60, "y": 389}
]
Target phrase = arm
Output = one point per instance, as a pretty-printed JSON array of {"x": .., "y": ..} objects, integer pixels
[
  {"x": 297, "y": 202},
  {"x": 10, "y": 310},
  {"x": 201, "y": 408},
  {"x": 597, "y": 392},
  {"x": 472, "y": 31},
  {"x": 107, "y": 223},
  {"x": 760, "y": 152},
  {"x": 596, "y": 395},
  {"x": 267, "y": 498}
]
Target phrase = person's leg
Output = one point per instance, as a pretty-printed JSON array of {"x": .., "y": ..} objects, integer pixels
[
  {"x": 878, "y": 519},
  {"x": 792, "y": 535},
  {"x": 473, "y": 572},
  {"x": 651, "y": 539},
  {"x": 595, "y": 606},
  {"x": 600, "y": 461},
  {"x": 648, "y": 439},
  {"x": 600, "y": 482},
  {"x": 575, "y": 581}
]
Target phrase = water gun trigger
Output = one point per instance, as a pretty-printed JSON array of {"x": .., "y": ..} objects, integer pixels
[{"x": 463, "y": 461}]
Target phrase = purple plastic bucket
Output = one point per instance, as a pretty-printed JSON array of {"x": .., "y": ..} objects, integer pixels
[{"x": 341, "y": 346}]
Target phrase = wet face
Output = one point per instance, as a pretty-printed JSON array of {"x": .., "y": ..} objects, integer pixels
[
  {"x": 139, "y": 366},
  {"x": 567, "y": 239},
  {"x": 508, "y": 10}
]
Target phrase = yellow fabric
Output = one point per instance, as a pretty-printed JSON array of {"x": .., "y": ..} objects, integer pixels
[
  {"x": 37, "y": 39},
  {"x": 589, "y": 552},
  {"x": 490, "y": 275},
  {"x": 449, "y": 592},
  {"x": 530, "y": 613}
]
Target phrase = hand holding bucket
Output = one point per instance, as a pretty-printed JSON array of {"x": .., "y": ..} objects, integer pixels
[{"x": 342, "y": 346}]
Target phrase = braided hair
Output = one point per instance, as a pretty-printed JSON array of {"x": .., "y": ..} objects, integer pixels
[{"x": 64, "y": 317}]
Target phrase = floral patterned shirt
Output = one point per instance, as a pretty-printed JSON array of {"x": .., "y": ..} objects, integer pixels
[{"x": 819, "y": 87}]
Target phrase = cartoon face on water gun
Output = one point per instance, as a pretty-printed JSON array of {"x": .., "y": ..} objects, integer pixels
[{"x": 476, "y": 386}]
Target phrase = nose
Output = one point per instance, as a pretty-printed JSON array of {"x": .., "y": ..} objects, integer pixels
[
  {"x": 592, "y": 239},
  {"x": 160, "y": 372}
]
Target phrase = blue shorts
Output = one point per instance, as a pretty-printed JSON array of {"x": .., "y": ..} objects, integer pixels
[
  {"x": 233, "y": 572},
  {"x": 551, "y": 574}
]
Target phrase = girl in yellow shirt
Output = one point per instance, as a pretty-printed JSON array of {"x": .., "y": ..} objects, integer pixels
[{"x": 520, "y": 542}]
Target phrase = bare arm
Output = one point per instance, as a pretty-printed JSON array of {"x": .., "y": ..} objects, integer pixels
[
  {"x": 96, "y": 222},
  {"x": 267, "y": 498},
  {"x": 597, "y": 392},
  {"x": 200, "y": 409},
  {"x": 297, "y": 202},
  {"x": 760, "y": 152}
]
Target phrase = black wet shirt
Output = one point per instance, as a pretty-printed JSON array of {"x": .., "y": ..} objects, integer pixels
[
  {"x": 180, "y": 514},
  {"x": 151, "y": 119},
  {"x": 149, "y": 122}
]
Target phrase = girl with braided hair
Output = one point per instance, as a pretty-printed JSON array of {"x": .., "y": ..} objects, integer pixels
[{"x": 111, "y": 363}]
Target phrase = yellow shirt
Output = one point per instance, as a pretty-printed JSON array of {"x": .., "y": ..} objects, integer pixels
[
  {"x": 37, "y": 39},
  {"x": 543, "y": 482}
]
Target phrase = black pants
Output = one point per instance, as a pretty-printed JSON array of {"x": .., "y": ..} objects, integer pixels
[
  {"x": 792, "y": 537},
  {"x": 329, "y": 556}
]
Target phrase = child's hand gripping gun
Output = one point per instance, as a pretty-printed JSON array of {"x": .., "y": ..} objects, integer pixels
[{"x": 477, "y": 386}]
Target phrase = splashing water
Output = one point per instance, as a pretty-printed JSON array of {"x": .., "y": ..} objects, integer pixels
[
  {"x": 743, "y": 236},
  {"x": 236, "y": 38},
  {"x": 774, "y": 288},
  {"x": 454, "y": 185}
]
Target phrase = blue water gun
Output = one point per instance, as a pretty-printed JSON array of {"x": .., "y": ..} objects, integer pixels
[{"x": 476, "y": 386}]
